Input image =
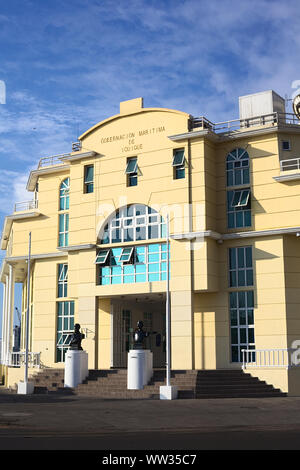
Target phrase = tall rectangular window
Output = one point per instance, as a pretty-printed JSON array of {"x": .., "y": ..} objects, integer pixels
[
  {"x": 65, "y": 328},
  {"x": 131, "y": 171},
  {"x": 62, "y": 284},
  {"x": 88, "y": 179},
  {"x": 240, "y": 267},
  {"x": 241, "y": 323},
  {"x": 178, "y": 164},
  {"x": 63, "y": 234}
]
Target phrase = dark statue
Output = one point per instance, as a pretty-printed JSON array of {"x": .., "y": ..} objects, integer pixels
[
  {"x": 76, "y": 338},
  {"x": 139, "y": 335}
]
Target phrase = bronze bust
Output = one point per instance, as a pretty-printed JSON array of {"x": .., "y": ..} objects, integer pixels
[{"x": 76, "y": 338}]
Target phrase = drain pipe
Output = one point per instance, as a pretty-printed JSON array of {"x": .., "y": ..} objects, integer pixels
[{"x": 168, "y": 392}]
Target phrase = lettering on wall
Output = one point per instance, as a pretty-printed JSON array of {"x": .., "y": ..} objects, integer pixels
[{"x": 128, "y": 141}]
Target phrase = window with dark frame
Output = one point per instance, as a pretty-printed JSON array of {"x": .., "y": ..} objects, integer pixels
[
  {"x": 178, "y": 164},
  {"x": 286, "y": 145},
  {"x": 131, "y": 171},
  {"x": 88, "y": 179}
]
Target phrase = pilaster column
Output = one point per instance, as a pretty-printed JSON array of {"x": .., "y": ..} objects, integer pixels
[
  {"x": 4, "y": 321},
  {"x": 10, "y": 310}
]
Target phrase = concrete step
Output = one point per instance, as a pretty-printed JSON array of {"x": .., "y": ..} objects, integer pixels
[{"x": 112, "y": 383}]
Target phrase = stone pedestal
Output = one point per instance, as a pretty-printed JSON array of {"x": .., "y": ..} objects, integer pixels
[
  {"x": 76, "y": 368},
  {"x": 139, "y": 369}
]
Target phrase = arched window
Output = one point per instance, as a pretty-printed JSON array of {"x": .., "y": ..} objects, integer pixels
[
  {"x": 237, "y": 167},
  {"x": 64, "y": 195},
  {"x": 132, "y": 223}
]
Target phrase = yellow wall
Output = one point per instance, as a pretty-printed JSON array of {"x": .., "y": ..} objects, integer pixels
[{"x": 199, "y": 268}]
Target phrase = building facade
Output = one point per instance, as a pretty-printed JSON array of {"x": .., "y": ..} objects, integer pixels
[{"x": 97, "y": 220}]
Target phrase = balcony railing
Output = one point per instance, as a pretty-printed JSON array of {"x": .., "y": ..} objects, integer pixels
[
  {"x": 270, "y": 358},
  {"x": 284, "y": 119},
  {"x": 53, "y": 160},
  {"x": 290, "y": 164},
  {"x": 26, "y": 205},
  {"x": 17, "y": 359}
]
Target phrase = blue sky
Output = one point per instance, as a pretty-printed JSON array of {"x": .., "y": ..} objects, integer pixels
[{"x": 67, "y": 64}]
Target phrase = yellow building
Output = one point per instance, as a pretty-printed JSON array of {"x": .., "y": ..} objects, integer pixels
[{"x": 98, "y": 256}]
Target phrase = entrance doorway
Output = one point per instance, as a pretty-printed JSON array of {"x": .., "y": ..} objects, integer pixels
[{"x": 125, "y": 316}]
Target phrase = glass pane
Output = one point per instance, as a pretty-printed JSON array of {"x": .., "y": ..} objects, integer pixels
[
  {"x": 246, "y": 176},
  {"x": 153, "y": 248},
  {"x": 243, "y": 335},
  {"x": 234, "y": 336},
  {"x": 140, "y": 233},
  {"x": 128, "y": 235},
  {"x": 233, "y": 317},
  {"x": 234, "y": 354},
  {"x": 236, "y": 198},
  {"x": 153, "y": 231},
  {"x": 230, "y": 178},
  {"x": 89, "y": 173},
  {"x": 141, "y": 278},
  {"x": 233, "y": 299},
  {"x": 232, "y": 279},
  {"x": 153, "y": 268},
  {"x": 241, "y": 278},
  {"x": 232, "y": 258},
  {"x": 249, "y": 277},
  {"x": 245, "y": 197},
  {"x": 249, "y": 257},
  {"x": 247, "y": 215},
  {"x": 250, "y": 315},
  {"x": 242, "y": 315},
  {"x": 140, "y": 268},
  {"x": 131, "y": 165},
  {"x": 179, "y": 173},
  {"x": 241, "y": 297},
  {"x": 238, "y": 177},
  {"x": 241, "y": 262},
  {"x": 251, "y": 335},
  {"x": 230, "y": 218},
  {"x": 153, "y": 257},
  {"x": 133, "y": 180},
  {"x": 178, "y": 157},
  {"x": 153, "y": 277},
  {"x": 239, "y": 219},
  {"x": 250, "y": 299}
]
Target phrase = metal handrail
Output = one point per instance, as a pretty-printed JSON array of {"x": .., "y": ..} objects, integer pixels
[
  {"x": 25, "y": 205},
  {"x": 237, "y": 124},
  {"x": 52, "y": 160}
]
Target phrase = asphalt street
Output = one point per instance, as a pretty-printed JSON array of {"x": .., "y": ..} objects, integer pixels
[{"x": 71, "y": 423}]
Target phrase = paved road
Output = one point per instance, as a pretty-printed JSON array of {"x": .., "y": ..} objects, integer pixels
[{"x": 52, "y": 422}]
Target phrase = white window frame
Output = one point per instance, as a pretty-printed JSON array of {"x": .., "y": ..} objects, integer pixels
[
  {"x": 239, "y": 203},
  {"x": 129, "y": 255},
  {"x": 134, "y": 170},
  {"x": 103, "y": 261},
  {"x": 181, "y": 163},
  {"x": 63, "y": 278}
]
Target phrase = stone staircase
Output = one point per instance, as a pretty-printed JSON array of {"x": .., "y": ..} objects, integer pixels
[{"x": 112, "y": 383}]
